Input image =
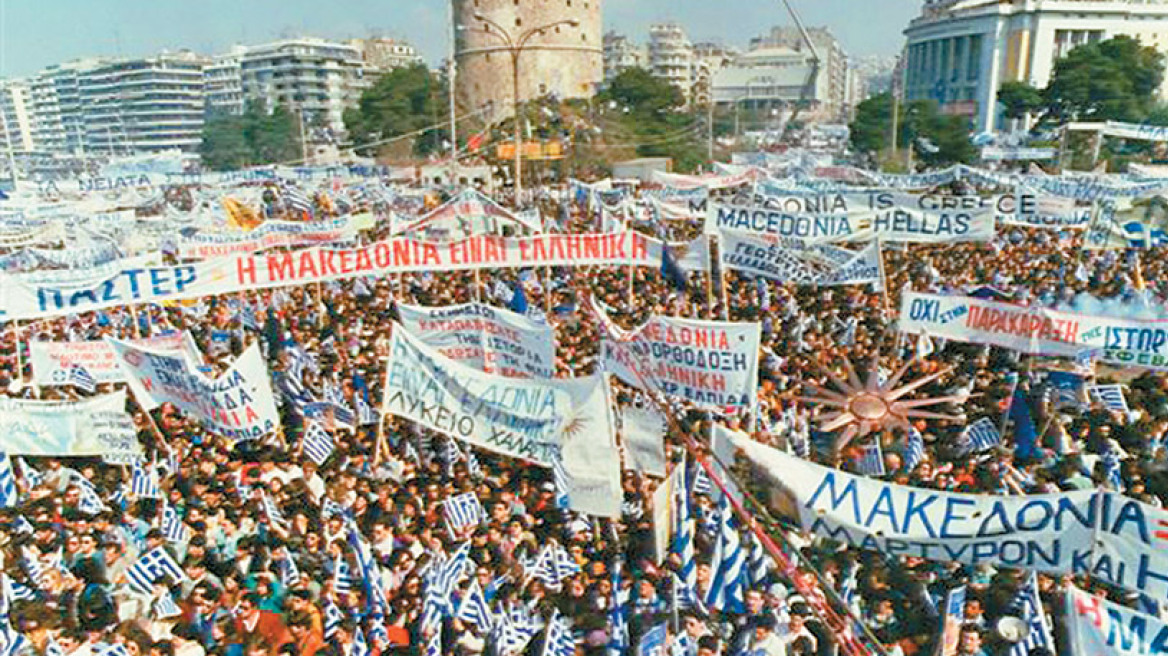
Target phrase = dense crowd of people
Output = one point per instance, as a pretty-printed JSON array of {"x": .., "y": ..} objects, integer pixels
[{"x": 268, "y": 538}]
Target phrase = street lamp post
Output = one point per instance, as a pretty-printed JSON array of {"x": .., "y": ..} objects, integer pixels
[{"x": 514, "y": 47}]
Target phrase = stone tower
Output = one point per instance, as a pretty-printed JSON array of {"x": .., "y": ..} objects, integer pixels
[{"x": 566, "y": 61}]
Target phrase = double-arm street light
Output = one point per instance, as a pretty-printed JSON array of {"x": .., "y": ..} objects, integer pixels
[{"x": 515, "y": 45}]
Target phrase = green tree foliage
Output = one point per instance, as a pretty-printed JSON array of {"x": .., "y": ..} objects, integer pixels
[
  {"x": 1019, "y": 98},
  {"x": 250, "y": 139},
  {"x": 872, "y": 126},
  {"x": 403, "y": 101},
  {"x": 649, "y": 113},
  {"x": 937, "y": 139},
  {"x": 1114, "y": 79}
]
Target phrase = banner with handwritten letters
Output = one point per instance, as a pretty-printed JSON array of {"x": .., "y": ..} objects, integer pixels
[
  {"x": 713, "y": 364},
  {"x": 796, "y": 261},
  {"x": 1093, "y": 532},
  {"x": 238, "y": 404},
  {"x": 1036, "y": 330},
  {"x": 51, "y": 361},
  {"x": 97, "y": 426},
  {"x": 1138, "y": 131},
  {"x": 487, "y": 338},
  {"x": 271, "y": 234},
  {"x": 1099, "y": 626},
  {"x": 22, "y": 299},
  {"x": 530, "y": 419}
]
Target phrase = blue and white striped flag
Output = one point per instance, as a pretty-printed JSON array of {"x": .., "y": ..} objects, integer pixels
[
  {"x": 914, "y": 451},
  {"x": 343, "y": 579},
  {"x": 475, "y": 609},
  {"x": 165, "y": 607},
  {"x": 981, "y": 435},
  {"x": 360, "y": 646},
  {"x": 112, "y": 650},
  {"x": 144, "y": 482},
  {"x": 318, "y": 443},
  {"x": 9, "y": 496},
  {"x": 1110, "y": 397},
  {"x": 463, "y": 511},
  {"x": 273, "y": 511},
  {"x": 332, "y": 619},
  {"x": 172, "y": 525},
  {"x": 32, "y": 477},
  {"x": 515, "y": 629},
  {"x": 90, "y": 501},
  {"x": 79, "y": 377},
  {"x": 872, "y": 460},
  {"x": 11, "y": 642},
  {"x": 296, "y": 200},
  {"x": 759, "y": 563},
  {"x": 701, "y": 481},
  {"x": 1028, "y": 606},
  {"x": 561, "y": 481},
  {"x": 434, "y": 645},
  {"x": 366, "y": 415},
  {"x": 151, "y": 567},
  {"x": 726, "y": 590},
  {"x": 1112, "y": 469},
  {"x": 289, "y": 573},
  {"x": 558, "y": 641},
  {"x": 618, "y": 641}
]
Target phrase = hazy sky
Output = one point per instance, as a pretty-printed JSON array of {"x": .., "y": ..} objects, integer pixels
[{"x": 37, "y": 33}]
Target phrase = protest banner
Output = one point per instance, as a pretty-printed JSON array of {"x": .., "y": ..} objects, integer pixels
[
  {"x": 1031, "y": 209},
  {"x": 491, "y": 339},
  {"x": 643, "y": 430},
  {"x": 21, "y": 299},
  {"x": 537, "y": 420},
  {"x": 858, "y": 216},
  {"x": 238, "y": 404},
  {"x": 1139, "y": 131},
  {"x": 97, "y": 426},
  {"x": 1004, "y": 153},
  {"x": 711, "y": 363},
  {"x": 271, "y": 234},
  {"x": 51, "y": 360},
  {"x": 1097, "y": 533},
  {"x": 663, "y": 516},
  {"x": 1036, "y": 330},
  {"x": 1097, "y": 625},
  {"x": 952, "y": 620}
]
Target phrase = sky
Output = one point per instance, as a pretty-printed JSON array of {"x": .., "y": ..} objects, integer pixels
[{"x": 38, "y": 33}]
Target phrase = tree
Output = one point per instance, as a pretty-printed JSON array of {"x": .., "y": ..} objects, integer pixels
[
  {"x": 648, "y": 115},
  {"x": 1019, "y": 98},
  {"x": 642, "y": 93},
  {"x": 872, "y": 125},
  {"x": 253, "y": 138},
  {"x": 1116, "y": 79},
  {"x": 403, "y": 101}
]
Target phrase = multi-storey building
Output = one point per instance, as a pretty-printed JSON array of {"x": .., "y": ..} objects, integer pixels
[
  {"x": 223, "y": 83},
  {"x": 621, "y": 54},
  {"x": 671, "y": 56},
  {"x": 316, "y": 78},
  {"x": 143, "y": 105},
  {"x": 59, "y": 123},
  {"x": 959, "y": 52},
  {"x": 386, "y": 54},
  {"x": 831, "y": 89},
  {"x": 16, "y": 118}
]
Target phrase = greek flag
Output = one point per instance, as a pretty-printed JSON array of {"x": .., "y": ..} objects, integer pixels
[
  {"x": 653, "y": 642},
  {"x": 558, "y": 641},
  {"x": 366, "y": 415},
  {"x": 80, "y": 378},
  {"x": 343, "y": 579},
  {"x": 112, "y": 650},
  {"x": 273, "y": 511},
  {"x": 318, "y": 443},
  {"x": 37, "y": 573},
  {"x": 289, "y": 573},
  {"x": 165, "y": 607},
  {"x": 618, "y": 615},
  {"x": 726, "y": 591},
  {"x": 462, "y": 511},
  {"x": 561, "y": 478},
  {"x": 332, "y": 619},
  {"x": 144, "y": 482},
  {"x": 1028, "y": 605},
  {"x": 434, "y": 645},
  {"x": 296, "y": 200},
  {"x": 1112, "y": 469},
  {"x": 151, "y": 567},
  {"x": 515, "y": 629},
  {"x": 9, "y": 497},
  {"x": 472, "y": 464},
  {"x": 90, "y": 502},
  {"x": 32, "y": 477},
  {"x": 328, "y": 508},
  {"x": 914, "y": 452},
  {"x": 1110, "y": 397},
  {"x": 981, "y": 435},
  {"x": 172, "y": 525},
  {"x": 11, "y": 642},
  {"x": 701, "y": 481},
  {"x": 360, "y": 646},
  {"x": 553, "y": 565},
  {"x": 872, "y": 460},
  {"x": 759, "y": 562},
  {"x": 683, "y": 541},
  {"x": 475, "y": 609}
]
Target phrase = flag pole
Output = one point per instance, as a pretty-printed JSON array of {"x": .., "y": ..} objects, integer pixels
[{"x": 709, "y": 277}]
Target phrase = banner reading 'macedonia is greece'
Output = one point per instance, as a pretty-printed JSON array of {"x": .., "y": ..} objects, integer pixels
[{"x": 1101, "y": 534}]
